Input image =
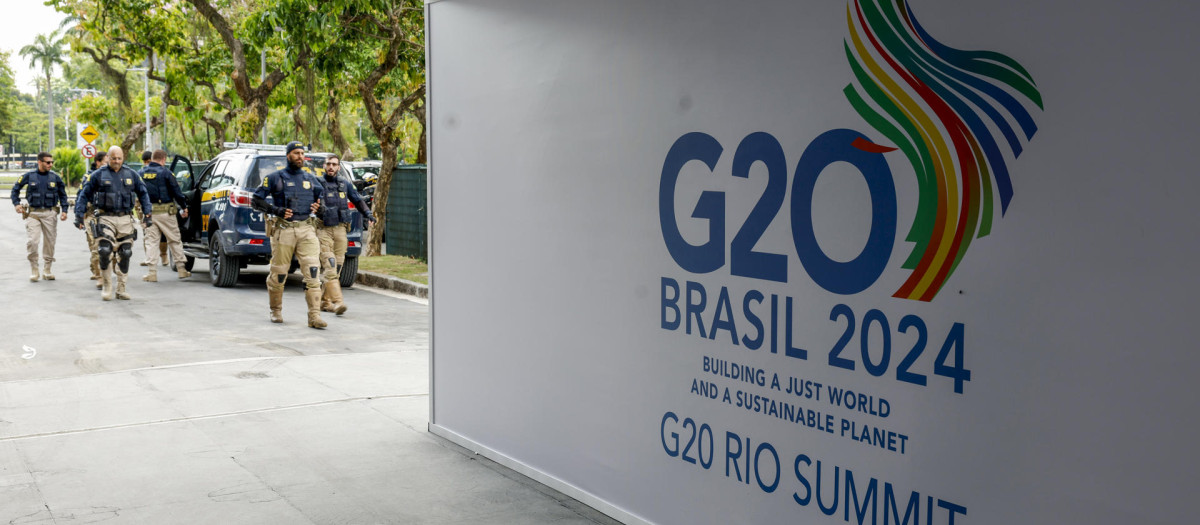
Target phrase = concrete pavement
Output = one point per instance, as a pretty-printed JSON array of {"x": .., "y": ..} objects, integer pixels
[{"x": 125, "y": 412}]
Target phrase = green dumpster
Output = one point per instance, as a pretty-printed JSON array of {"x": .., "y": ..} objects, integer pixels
[{"x": 407, "y": 223}]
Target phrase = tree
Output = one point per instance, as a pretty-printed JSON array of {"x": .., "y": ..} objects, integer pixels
[
  {"x": 47, "y": 52},
  {"x": 379, "y": 47},
  {"x": 8, "y": 95}
]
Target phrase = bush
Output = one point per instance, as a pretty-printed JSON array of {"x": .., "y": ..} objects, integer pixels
[{"x": 70, "y": 164}]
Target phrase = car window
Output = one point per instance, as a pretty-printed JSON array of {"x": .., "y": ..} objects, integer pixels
[
  {"x": 206, "y": 179},
  {"x": 221, "y": 176},
  {"x": 264, "y": 166}
]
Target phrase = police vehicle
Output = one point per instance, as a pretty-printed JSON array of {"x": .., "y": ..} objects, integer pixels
[{"x": 223, "y": 228}]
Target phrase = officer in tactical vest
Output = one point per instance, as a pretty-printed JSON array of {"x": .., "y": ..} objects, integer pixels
[
  {"x": 89, "y": 221},
  {"x": 47, "y": 196},
  {"x": 295, "y": 197},
  {"x": 166, "y": 199},
  {"x": 159, "y": 243},
  {"x": 335, "y": 223},
  {"x": 113, "y": 191}
]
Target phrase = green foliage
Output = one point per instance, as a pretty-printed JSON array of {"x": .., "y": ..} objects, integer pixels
[{"x": 69, "y": 163}]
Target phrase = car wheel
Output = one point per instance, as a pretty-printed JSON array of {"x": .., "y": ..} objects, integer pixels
[
  {"x": 349, "y": 272},
  {"x": 223, "y": 269}
]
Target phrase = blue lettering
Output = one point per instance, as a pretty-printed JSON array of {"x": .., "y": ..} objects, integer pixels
[
  {"x": 694, "y": 309},
  {"x": 671, "y": 304},
  {"x": 711, "y": 205},
  {"x": 856, "y": 275},
  {"x": 756, "y": 343},
  {"x": 723, "y": 307}
]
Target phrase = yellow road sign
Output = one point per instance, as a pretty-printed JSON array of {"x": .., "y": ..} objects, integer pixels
[{"x": 89, "y": 134}]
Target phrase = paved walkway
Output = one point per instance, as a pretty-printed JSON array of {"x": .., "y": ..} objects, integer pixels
[{"x": 306, "y": 439}]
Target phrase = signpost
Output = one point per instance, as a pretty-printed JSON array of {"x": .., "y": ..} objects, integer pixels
[{"x": 89, "y": 134}]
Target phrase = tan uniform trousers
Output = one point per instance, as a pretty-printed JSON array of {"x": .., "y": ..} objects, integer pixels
[
  {"x": 333, "y": 250},
  {"x": 118, "y": 230},
  {"x": 165, "y": 224},
  {"x": 298, "y": 239},
  {"x": 41, "y": 225}
]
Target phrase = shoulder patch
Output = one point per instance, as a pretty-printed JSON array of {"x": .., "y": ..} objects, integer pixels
[{"x": 266, "y": 181}]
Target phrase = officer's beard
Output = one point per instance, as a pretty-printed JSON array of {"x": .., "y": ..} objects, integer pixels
[{"x": 295, "y": 164}]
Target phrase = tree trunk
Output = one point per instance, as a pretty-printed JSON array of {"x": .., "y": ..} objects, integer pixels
[
  {"x": 310, "y": 111},
  {"x": 335, "y": 130},
  {"x": 136, "y": 132},
  {"x": 382, "y": 187},
  {"x": 422, "y": 144}
]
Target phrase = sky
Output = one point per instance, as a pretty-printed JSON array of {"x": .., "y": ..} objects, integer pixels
[{"x": 24, "y": 20}]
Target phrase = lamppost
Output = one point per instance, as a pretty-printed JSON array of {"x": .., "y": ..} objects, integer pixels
[{"x": 146, "y": 84}]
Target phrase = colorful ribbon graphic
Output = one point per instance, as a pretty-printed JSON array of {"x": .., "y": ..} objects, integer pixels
[{"x": 942, "y": 108}]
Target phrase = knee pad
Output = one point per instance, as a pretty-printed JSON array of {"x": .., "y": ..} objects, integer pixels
[
  {"x": 105, "y": 251},
  {"x": 277, "y": 278},
  {"x": 313, "y": 271},
  {"x": 125, "y": 253}
]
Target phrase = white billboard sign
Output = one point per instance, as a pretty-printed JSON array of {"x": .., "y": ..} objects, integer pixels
[{"x": 916, "y": 262}]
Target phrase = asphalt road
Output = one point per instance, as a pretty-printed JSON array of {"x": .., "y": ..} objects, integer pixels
[{"x": 173, "y": 321}]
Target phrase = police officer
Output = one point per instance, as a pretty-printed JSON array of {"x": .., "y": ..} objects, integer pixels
[
  {"x": 114, "y": 190},
  {"x": 166, "y": 199},
  {"x": 157, "y": 243},
  {"x": 47, "y": 197},
  {"x": 335, "y": 218},
  {"x": 295, "y": 196},
  {"x": 89, "y": 222}
]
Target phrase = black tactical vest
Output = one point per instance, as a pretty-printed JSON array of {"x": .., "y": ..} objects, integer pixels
[
  {"x": 297, "y": 193},
  {"x": 42, "y": 194},
  {"x": 337, "y": 209},
  {"x": 114, "y": 191}
]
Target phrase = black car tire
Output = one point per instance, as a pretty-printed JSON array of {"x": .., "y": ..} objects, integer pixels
[
  {"x": 223, "y": 269},
  {"x": 349, "y": 272}
]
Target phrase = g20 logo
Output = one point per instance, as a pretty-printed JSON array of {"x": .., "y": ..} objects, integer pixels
[
  {"x": 832, "y": 146},
  {"x": 946, "y": 110}
]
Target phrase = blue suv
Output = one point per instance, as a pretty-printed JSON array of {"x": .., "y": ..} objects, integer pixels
[{"x": 223, "y": 228}]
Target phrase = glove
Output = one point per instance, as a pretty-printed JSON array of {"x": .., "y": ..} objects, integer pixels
[
  {"x": 78, "y": 223},
  {"x": 147, "y": 222}
]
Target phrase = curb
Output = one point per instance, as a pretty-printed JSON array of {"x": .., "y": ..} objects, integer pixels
[{"x": 395, "y": 284}]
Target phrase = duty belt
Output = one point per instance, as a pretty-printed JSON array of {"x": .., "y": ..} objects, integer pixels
[
  {"x": 41, "y": 209},
  {"x": 106, "y": 213},
  {"x": 163, "y": 207}
]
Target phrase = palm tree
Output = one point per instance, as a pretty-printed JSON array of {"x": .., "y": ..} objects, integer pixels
[{"x": 46, "y": 51}]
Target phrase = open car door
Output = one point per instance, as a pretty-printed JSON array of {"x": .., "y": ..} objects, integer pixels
[{"x": 182, "y": 168}]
